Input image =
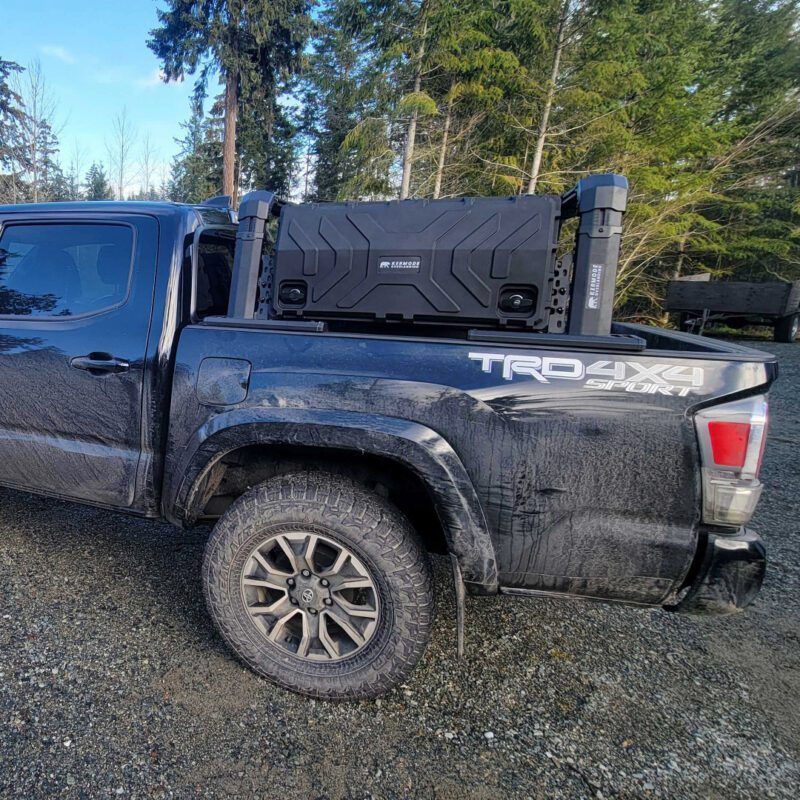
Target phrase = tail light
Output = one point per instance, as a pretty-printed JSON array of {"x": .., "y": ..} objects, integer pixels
[{"x": 732, "y": 438}]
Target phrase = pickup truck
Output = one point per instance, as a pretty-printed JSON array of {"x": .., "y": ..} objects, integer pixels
[{"x": 332, "y": 459}]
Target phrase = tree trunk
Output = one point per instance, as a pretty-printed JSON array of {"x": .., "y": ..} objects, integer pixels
[
  {"x": 678, "y": 271},
  {"x": 548, "y": 103},
  {"x": 524, "y": 164},
  {"x": 229, "y": 142},
  {"x": 411, "y": 134},
  {"x": 437, "y": 188},
  {"x": 35, "y": 174}
]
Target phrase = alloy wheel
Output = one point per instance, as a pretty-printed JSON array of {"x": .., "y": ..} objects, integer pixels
[{"x": 310, "y": 595}]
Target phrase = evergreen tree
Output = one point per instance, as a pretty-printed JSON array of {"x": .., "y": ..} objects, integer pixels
[
  {"x": 341, "y": 90},
  {"x": 754, "y": 215},
  {"x": 197, "y": 168},
  {"x": 35, "y": 143},
  {"x": 72, "y": 183},
  {"x": 253, "y": 44},
  {"x": 10, "y": 114},
  {"x": 694, "y": 100},
  {"x": 475, "y": 78},
  {"x": 57, "y": 188},
  {"x": 97, "y": 185},
  {"x": 268, "y": 147}
]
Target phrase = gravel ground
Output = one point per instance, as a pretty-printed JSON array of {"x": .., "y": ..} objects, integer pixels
[{"x": 113, "y": 682}]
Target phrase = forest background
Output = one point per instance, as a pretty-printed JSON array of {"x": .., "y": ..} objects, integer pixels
[{"x": 695, "y": 101}]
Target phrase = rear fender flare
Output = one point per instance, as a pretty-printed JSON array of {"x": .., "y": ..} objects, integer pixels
[{"x": 419, "y": 448}]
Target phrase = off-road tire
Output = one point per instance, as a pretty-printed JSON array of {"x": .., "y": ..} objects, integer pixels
[
  {"x": 369, "y": 526},
  {"x": 786, "y": 328}
]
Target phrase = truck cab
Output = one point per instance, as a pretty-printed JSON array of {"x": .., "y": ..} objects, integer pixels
[{"x": 92, "y": 298}]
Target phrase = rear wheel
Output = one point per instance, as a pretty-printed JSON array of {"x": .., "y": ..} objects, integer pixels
[
  {"x": 320, "y": 585},
  {"x": 786, "y": 328}
]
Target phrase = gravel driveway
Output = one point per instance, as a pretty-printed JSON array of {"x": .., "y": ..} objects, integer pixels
[{"x": 113, "y": 682}]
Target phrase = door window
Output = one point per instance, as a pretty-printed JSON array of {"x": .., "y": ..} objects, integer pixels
[{"x": 63, "y": 270}]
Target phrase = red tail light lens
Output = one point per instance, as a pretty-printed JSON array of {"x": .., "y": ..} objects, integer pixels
[
  {"x": 731, "y": 438},
  {"x": 729, "y": 442}
]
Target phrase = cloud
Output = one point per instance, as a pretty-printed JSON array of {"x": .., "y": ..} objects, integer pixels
[
  {"x": 61, "y": 53},
  {"x": 155, "y": 78}
]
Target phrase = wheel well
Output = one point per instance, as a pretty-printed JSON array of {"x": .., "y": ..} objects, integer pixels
[{"x": 248, "y": 466}]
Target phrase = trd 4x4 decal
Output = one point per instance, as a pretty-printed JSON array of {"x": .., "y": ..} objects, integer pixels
[{"x": 629, "y": 376}]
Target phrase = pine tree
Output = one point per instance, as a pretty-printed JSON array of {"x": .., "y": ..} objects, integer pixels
[
  {"x": 473, "y": 76},
  {"x": 268, "y": 147},
  {"x": 35, "y": 139},
  {"x": 369, "y": 67},
  {"x": 754, "y": 215},
  {"x": 29, "y": 144},
  {"x": 57, "y": 186},
  {"x": 196, "y": 172},
  {"x": 253, "y": 43},
  {"x": 10, "y": 114},
  {"x": 97, "y": 185},
  {"x": 341, "y": 90},
  {"x": 72, "y": 183}
]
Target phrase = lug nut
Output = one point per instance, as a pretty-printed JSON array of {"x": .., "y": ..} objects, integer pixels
[
  {"x": 306, "y": 573},
  {"x": 328, "y": 601},
  {"x": 293, "y": 601},
  {"x": 312, "y": 611},
  {"x": 290, "y": 582},
  {"x": 325, "y": 582}
]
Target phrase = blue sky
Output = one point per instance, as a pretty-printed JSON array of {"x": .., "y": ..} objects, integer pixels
[{"x": 95, "y": 60}]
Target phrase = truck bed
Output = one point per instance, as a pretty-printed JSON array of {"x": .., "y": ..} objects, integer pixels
[{"x": 584, "y": 463}]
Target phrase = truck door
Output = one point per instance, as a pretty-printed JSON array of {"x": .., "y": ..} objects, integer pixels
[{"x": 75, "y": 304}]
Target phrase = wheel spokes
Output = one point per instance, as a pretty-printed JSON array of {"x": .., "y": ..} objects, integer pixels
[
  {"x": 263, "y": 563},
  {"x": 280, "y": 607},
  {"x": 308, "y": 550},
  {"x": 310, "y": 633},
  {"x": 291, "y": 556},
  {"x": 355, "y": 610},
  {"x": 278, "y": 629},
  {"x": 344, "y": 623},
  {"x": 329, "y": 645},
  {"x": 266, "y": 583},
  {"x": 338, "y": 564},
  {"x": 344, "y": 584},
  {"x": 308, "y": 574}
]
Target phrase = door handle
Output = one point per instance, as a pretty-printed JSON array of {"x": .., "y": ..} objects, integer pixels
[{"x": 100, "y": 363}]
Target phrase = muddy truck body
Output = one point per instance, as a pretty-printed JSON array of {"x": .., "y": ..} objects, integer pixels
[{"x": 340, "y": 403}]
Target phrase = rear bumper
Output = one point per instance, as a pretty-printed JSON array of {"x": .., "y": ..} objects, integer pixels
[{"x": 729, "y": 575}]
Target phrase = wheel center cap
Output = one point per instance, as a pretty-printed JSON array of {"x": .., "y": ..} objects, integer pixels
[{"x": 307, "y": 596}]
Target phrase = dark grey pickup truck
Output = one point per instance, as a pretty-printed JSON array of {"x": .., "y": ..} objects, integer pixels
[{"x": 146, "y": 366}]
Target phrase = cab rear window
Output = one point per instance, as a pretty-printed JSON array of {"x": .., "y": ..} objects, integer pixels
[{"x": 214, "y": 270}]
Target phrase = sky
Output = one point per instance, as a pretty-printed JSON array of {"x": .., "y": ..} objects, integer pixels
[{"x": 95, "y": 60}]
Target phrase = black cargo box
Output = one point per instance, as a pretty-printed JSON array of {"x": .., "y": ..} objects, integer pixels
[{"x": 474, "y": 261}]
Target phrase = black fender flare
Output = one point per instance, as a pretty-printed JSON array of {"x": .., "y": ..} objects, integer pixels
[{"x": 416, "y": 446}]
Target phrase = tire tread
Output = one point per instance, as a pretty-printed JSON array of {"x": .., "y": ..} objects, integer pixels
[{"x": 365, "y": 520}]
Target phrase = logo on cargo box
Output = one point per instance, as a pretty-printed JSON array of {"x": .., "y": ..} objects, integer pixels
[{"x": 399, "y": 264}]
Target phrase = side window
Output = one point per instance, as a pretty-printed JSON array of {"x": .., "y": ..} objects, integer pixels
[
  {"x": 214, "y": 271},
  {"x": 63, "y": 270}
]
